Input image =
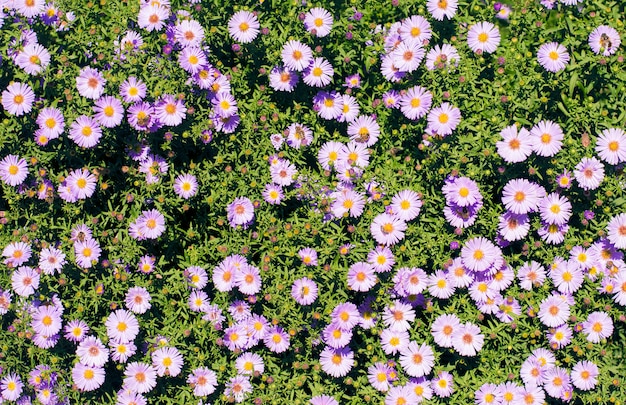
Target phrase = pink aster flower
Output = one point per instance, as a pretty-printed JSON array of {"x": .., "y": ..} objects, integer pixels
[
  {"x": 140, "y": 377},
  {"x": 304, "y": 291},
  {"x": 109, "y": 111},
  {"x": 296, "y": 55},
  {"x": 243, "y": 26},
  {"x": 546, "y": 138},
  {"x": 611, "y": 146},
  {"x": 468, "y": 340},
  {"x": 18, "y": 98},
  {"x": 318, "y": 21},
  {"x": 87, "y": 252},
  {"x": 483, "y": 37},
  {"x": 203, "y": 381},
  {"x": 86, "y": 377},
  {"x": 598, "y": 326},
  {"x": 122, "y": 326},
  {"x": 604, "y": 40},
  {"x": 387, "y": 229},
  {"x": 515, "y": 145},
  {"x": 444, "y": 119},
  {"x": 553, "y": 56},
  {"x": 167, "y": 361},
  {"x": 151, "y": 224},
  {"x": 584, "y": 375},
  {"x": 240, "y": 212},
  {"x": 589, "y": 173},
  {"x": 318, "y": 73},
  {"x": 85, "y": 131},
  {"x": 186, "y": 185},
  {"x": 337, "y": 362},
  {"x": 90, "y": 83}
]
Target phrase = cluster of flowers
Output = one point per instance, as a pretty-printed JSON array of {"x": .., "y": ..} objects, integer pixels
[
  {"x": 186, "y": 36},
  {"x": 247, "y": 330},
  {"x": 540, "y": 375},
  {"x": 42, "y": 379},
  {"x": 521, "y": 196},
  {"x": 404, "y": 42},
  {"x": 480, "y": 268}
]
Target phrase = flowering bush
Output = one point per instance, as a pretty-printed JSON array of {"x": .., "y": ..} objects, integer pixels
[{"x": 376, "y": 202}]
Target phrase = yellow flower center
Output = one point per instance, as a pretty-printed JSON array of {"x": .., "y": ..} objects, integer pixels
[
  {"x": 170, "y": 108},
  {"x": 387, "y": 228}
]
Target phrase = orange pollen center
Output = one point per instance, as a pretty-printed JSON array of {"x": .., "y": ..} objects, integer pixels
[
  {"x": 387, "y": 228},
  {"x": 140, "y": 377}
]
